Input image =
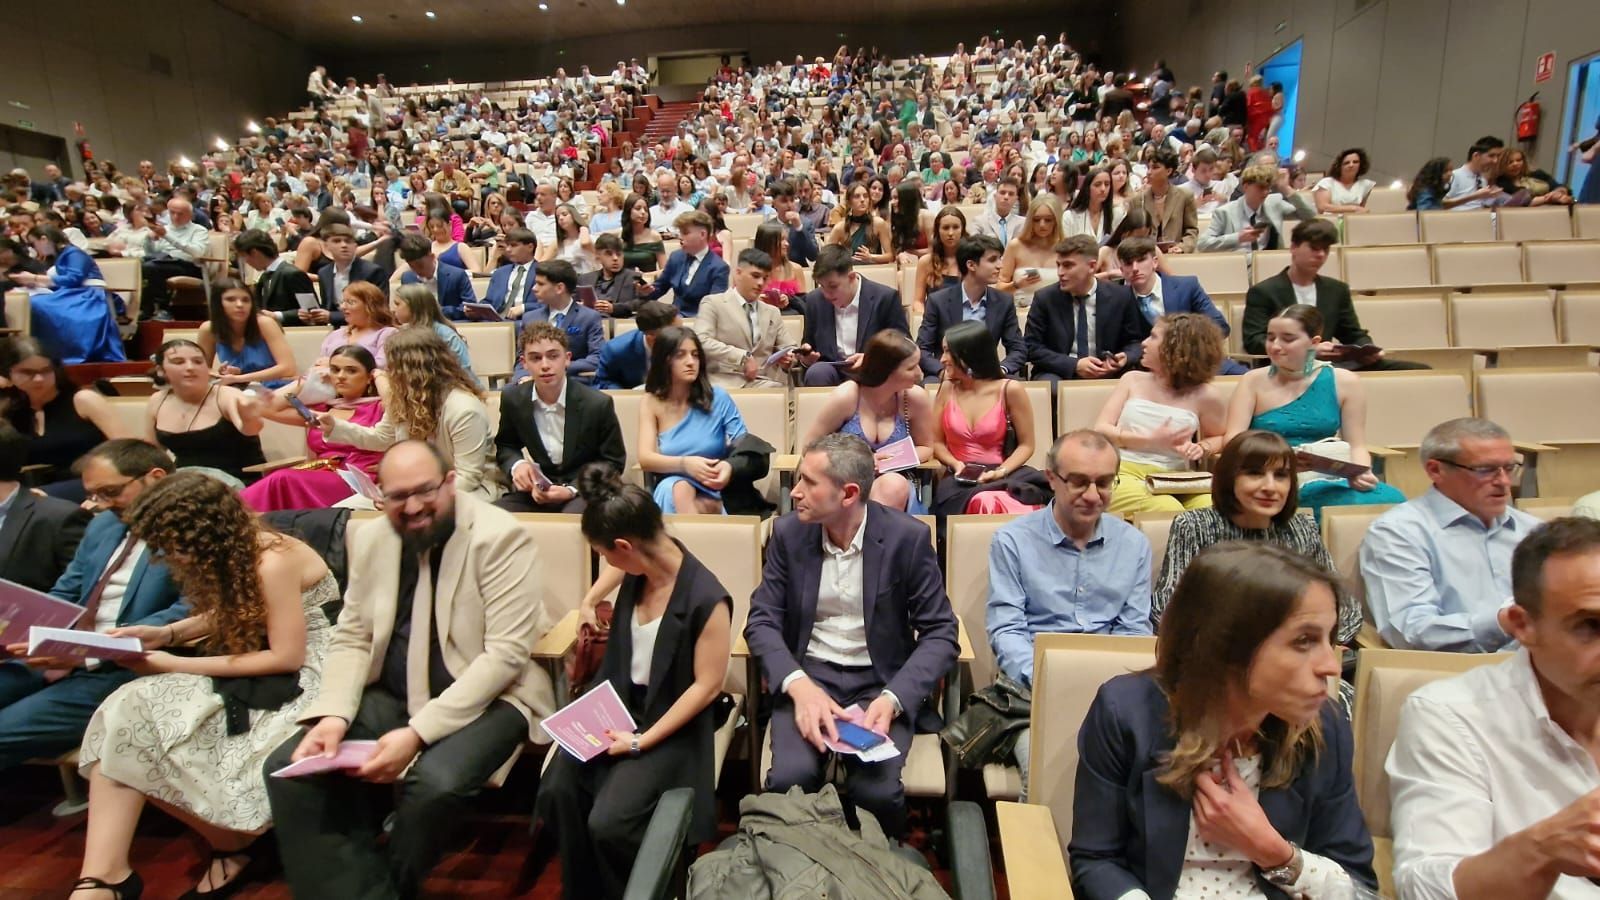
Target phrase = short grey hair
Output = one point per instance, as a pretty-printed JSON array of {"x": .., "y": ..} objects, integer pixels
[
  {"x": 1443, "y": 441},
  {"x": 1087, "y": 437},
  {"x": 850, "y": 460}
]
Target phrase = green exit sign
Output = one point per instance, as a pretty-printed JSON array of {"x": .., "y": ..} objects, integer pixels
[{"x": 25, "y": 123}]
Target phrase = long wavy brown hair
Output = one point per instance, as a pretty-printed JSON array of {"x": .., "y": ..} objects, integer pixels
[
  {"x": 422, "y": 373},
  {"x": 212, "y": 546},
  {"x": 1191, "y": 350}
]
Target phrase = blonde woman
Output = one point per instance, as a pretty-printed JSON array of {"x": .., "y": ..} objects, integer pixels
[{"x": 1029, "y": 262}]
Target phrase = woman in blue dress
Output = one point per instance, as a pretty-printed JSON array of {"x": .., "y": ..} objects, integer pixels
[
  {"x": 73, "y": 321},
  {"x": 446, "y": 248},
  {"x": 243, "y": 344},
  {"x": 1309, "y": 402},
  {"x": 686, "y": 426}
]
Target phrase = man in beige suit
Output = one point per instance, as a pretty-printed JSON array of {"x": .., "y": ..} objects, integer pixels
[
  {"x": 738, "y": 331},
  {"x": 431, "y": 659}
]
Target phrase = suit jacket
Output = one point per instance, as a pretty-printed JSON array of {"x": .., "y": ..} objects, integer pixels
[
  {"x": 1129, "y": 832},
  {"x": 360, "y": 270},
  {"x": 455, "y": 288},
  {"x": 39, "y": 539},
  {"x": 1230, "y": 217},
  {"x": 488, "y": 611},
  {"x": 622, "y": 291},
  {"x": 1052, "y": 337},
  {"x": 278, "y": 287},
  {"x": 1270, "y": 295},
  {"x": 710, "y": 278},
  {"x": 1181, "y": 222},
  {"x": 624, "y": 361},
  {"x": 500, "y": 288},
  {"x": 724, "y": 332},
  {"x": 592, "y": 433},
  {"x": 151, "y": 597},
  {"x": 911, "y": 628},
  {"x": 586, "y": 332},
  {"x": 1185, "y": 294},
  {"x": 879, "y": 309},
  {"x": 942, "y": 309}
]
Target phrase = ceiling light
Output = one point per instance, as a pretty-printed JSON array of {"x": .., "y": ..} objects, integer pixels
[
  {"x": 1397, "y": 185},
  {"x": 185, "y": 162},
  {"x": 222, "y": 145},
  {"x": 252, "y": 127},
  {"x": 544, "y": 7},
  {"x": 622, "y": 2},
  {"x": 356, "y": 19},
  {"x": 430, "y": 14},
  {"x": 1299, "y": 156}
]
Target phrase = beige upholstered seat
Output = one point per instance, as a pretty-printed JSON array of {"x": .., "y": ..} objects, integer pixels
[
  {"x": 491, "y": 347},
  {"x": 1376, "y": 229},
  {"x": 18, "y": 312},
  {"x": 1563, "y": 262},
  {"x": 1535, "y": 223},
  {"x": 1385, "y": 200},
  {"x": 627, "y": 405},
  {"x": 808, "y": 403},
  {"x": 1156, "y": 527},
  {"x": 306, "y": 343},
  {"x": 1553, "y": 407},
  {"x": 1343, "y": 529},
  {"x": 1502, "y": 320},
  {"x": 1451, "y": 226},
  {"x": 766, "y": 415},
  {"x": 1040, "y": 401},
  {"x": 1580, "y": 317},
  {"x": 1405, "y": 320},
  {"x": 1471, "y": 265},
  {"x": 1079, "y": 402},
  {"x": 1586, "y": 221},
  {"x": 1219, "y": 273},
  {"x": 1378, "y": 268},
  {"x": 1547, "y": 508},
  {"x": 886, "y": 274},
  {"x": 967, "y": 582},
  {"x": 1402, "y": 406}
]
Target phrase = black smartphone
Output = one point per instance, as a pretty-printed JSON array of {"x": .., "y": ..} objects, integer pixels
[
  {"x": 971, "y": 472},
  {"x": 304, "y": 410}
]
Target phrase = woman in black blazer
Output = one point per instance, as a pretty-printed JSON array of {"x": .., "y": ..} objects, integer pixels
[
  {"x": 1225, "y": 771},
  {"x": 600, "y": 809}
]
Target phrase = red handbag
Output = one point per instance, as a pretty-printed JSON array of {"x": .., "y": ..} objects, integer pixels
[{"x": 591, "y": 649}]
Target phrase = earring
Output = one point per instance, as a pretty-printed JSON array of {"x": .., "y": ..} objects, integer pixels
[{"x": 1311, "y": 363}]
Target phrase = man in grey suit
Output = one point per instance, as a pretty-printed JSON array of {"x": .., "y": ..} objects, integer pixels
[{"x": 1256, "y": 220}]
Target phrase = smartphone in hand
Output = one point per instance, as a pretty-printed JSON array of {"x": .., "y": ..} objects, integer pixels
[{"x": 304, "y": 410}]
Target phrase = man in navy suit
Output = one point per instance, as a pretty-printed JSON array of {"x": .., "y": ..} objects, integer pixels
[
  {"x": 45, "y": 704},
  {"x": 1158, "y": 295},
  {"x": 511, "y": 289},
  {"x": 1082, "y": 327},
  {"x": 451, "y": 285},
  {"x": 842, "y": 314},
  {"x": 802, "y": 242},
  {"x": 38, "y": 534},
  {"x": 693, "y": 272},
  {"x": 851, "y": 611},
  {"x": 625, "y": 359},
  {"x": 973, "y": 300},
  {"x": 343, "y": 270},
  {"x": 556, "y": 284}
]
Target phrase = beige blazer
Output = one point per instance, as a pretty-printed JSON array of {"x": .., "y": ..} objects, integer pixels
[
  {"x": 1181, "y": 223},
  {"x": 489, "y": 609},
  {"x": 462, "y": 435},
  {"x": 724, "y": 332}
]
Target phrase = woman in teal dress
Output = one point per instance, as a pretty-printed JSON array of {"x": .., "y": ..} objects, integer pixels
[
  {"x": 686, "y": 427},
  {"x": 1306, "y": 401},
  {"x": 72, "y": 319}
]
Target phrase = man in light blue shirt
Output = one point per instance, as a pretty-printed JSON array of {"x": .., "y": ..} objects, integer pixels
[
  {"x": 1470, "y": 187},
  {"x": 1438, "y": 568}
]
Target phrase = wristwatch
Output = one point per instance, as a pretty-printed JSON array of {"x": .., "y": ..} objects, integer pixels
[
  {"x": 1289, "y": 872},
  {"x": 633, "y": 750}
]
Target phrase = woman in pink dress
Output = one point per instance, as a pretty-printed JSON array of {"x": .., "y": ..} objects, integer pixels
[
  {"x": 316, "y": 483},
  {"x": 974, "y": 406}
]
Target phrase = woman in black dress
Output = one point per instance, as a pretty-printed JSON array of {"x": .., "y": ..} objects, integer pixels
[{"x": 61, "y": 421}]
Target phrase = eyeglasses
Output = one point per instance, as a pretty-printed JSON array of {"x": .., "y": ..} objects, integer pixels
[
  {"x": 1078, "y": 483},
  {"x": 425, "y": 494},
  {"x": 1512, "y": 470},
  {"x": 110, "y": 494}
]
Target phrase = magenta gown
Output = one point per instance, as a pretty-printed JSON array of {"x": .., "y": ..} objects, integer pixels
[{"x": 317, "y": 488}]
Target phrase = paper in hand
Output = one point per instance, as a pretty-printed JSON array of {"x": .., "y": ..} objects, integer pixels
[
  {"x": 897, "y": 456},
  {"x": 580, "y": 727},
  {"x": 22, "y": 607},
  {"x": 778, "y": 354},
  {"x": 69, "y": 643},
  {"x": 350, "y": 756},
  {"x": 307, "y": 301}
]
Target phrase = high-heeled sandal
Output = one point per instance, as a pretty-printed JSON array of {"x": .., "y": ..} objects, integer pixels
[
  {"x": 258, "y": 864},
  {"x": 127, "y": 889}
]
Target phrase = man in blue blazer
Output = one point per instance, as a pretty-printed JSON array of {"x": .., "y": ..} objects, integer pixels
[
  {"x": 1160, "y": 295},
  {"x": 345, "y": 268},
  {"x": 625, "y": 359},
  {"x": 556, "y": 284},
  {"x": 511, "y": 290},
  {"x": 45, "y": 704},
  {"x": 451, "y": 285},
  {"x": 978, "y": 257},
  {"x": 1109, "y": 347},
  {"x": 693, "y": 272},
  {"x": 843, "y": 302},
  {"x": 851, "y": 611}
]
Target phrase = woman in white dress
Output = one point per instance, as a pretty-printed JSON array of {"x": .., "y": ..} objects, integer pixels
[
  {"x": 1093, "y": 211},
  {"x": 1343, "y": 189},
  {"x": 193, "y": 734},
  {"x": 573, "y": 241}
]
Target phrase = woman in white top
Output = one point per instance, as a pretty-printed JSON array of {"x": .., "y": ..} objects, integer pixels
[
  {"x": 1093, "y": 212},
  {"x": 263, "y": 214},
  {"x": 573, "y": 242},
  {"x": 131, "y": 237},
  {"x": 1168, "y": 418},
  {"x": 1344, "y": 190},
  {"x": 1030, "y": 258}
]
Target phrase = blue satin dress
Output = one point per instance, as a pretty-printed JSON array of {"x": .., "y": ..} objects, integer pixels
[
  {"x": 74, "y": 321},
  {"x": 699, "y": 433},
  {"x": 1313, "y": 416}
]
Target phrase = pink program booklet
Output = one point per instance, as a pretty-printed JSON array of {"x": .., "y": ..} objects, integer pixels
[
  {"x": 580, "y": 727},
  {"x": 68, "y": 643},
  {"x": 901, "y": 455},
  {"x": 350, "y": 756},
  {"x": 22, "y": 607}
]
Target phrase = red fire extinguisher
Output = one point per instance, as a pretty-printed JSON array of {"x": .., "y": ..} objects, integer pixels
[
  {"x": 1528, "y": 119},
  {"x": 85, "y": 152}
]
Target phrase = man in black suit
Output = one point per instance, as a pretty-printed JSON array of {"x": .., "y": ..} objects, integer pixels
[
  {"x": 38, "y": 535},
  {"x": 1300, "y": 281},
  {"x": 616, "y": 286},
  {"x": 282, "y": 286},
  {"x": 974, "y": 299},
  {"x": 842, "y": 314},
  {"x": 562, "y": 424},
  {"x": 343, "y": 270},
  {"x": 1082, "y": 327}
]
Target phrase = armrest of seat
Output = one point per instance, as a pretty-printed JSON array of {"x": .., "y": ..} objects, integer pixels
[
  {"x": 1368, "y": 638},
  {"x": 659, "y": 867},
  {"x": 741, "y": 650},
  {"x": 1036, "y": 869},
  {"x": 1384, "y": 452},
  {"x": 558, "y": 641},
  {"x": 965, "y": 641},
  {"x": 1533, "y": 447},
  {"x": 274, "y": 465},
  {"x": 971, "y": 869}
]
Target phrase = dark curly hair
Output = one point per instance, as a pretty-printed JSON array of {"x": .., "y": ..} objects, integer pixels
[{"x": 210, "y": 540}]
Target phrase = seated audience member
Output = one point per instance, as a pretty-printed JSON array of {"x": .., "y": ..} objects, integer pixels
[
  {"x": 172, "y": 250},
  {"x": 244, "y": 344},
  {"x": 1437, "y": 568},
  {"x": 1225, "y": 769},
  {"x": 1082, "y": 327},
  {"x": 1133, "y": 225},
  {"x": 692, "y": 272},
  {"x": 511, "y": 290},
  {"x": 1094, "y": 212},
  {"x": 842, "y": 314},
  {"x": 1029, "y": 258},
  {"x": 343, "y": 269},
  {"x": 541, "y": 220},
  {"x": 1159, "y": 293},
  {"x": 740, "y": 331},
  {"x": 938, "y": 268},
  {"x": 1490, "y": 776},
  {"x": 1345, "y": 188},
  {"x": 1516, "y": 174},
  {"x": 556, "y": 286},
  {"x": 625, "y": 359},
  {"x": 351, "y": 373},
  {"x": 882, "y": 403},
  {"x": 1314, "y": 406},
  {"x": 285, "y": 292},
  {"x": 838, "y": 560},
  {"x": 430, "y": 398},
  {"x": 1257, "y": 220},
  {"x": 117, "y": 582},
  {"x": 367, "y": 323},
  {"x": 667, "y": 664},
  {"x": 1003, "y": 221},
  {"x": 69, "y": 313},
  {"x": 414, "y": 305},
  {"x": 1302, "y": 282},
  {"x": 38, "y": 535},
  {"x": 574, "y": 244},
  {"x": 1429, "y": 186},
  {"x": 60, "y": 422},
  {"x": 974, "y": 299},
  {"x": 666, "y": 215},
  {"x": 800, "y": 235},
  {"x": 552, "y": 425},
  {"x": 187, "y": 736},
  {"x": 1172, "y": 214},
  {"x": 1168, "y": 417},
  {"x": 1253, "y": 498},
  {"x": 642, "y": 247},
  {"x": 977, "y": 411},
  {"x": 200, "y": 422},
  {"x": 784, "y": 285},
  {"x": 438, "y": 673},
  {"x": 687, "y": 426},
  {"x": 1472, "y": 185},
  {"x": 449, "y": 285},
  {"x": 447, "y": 248},
  {"x": 615, "y": 285},
  {"x": 1209, "y": 191},
  {"x": 861, "y": 231}
]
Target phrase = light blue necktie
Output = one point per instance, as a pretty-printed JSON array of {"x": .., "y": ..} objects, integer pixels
[
  {"x": 561, "y": 318},
  {"x": 1151, "y": 313}
]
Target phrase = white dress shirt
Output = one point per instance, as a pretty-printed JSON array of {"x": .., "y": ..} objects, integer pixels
[
  {"x": 543, "y": 226},
  {"x": 847, "y": 322},
  {"x": 663, "y": 217},
  {"x": 551, "y": 421},
  {"x": 839, "y": 635},
  {"x": 185, "y": 242},
  {"x": 694, "y": 265},
  {"x": 105, "y": 617}
]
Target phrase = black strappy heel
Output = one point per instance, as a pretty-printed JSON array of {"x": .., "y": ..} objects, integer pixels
[{"x": 127, "y": 889}]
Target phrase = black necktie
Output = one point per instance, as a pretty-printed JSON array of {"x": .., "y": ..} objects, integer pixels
[{"x": 1082, "y": 303}]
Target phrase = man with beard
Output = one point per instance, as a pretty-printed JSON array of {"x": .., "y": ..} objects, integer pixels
[{"x": 431, "y": 659}]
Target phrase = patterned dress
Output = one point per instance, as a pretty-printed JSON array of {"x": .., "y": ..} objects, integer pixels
[{"x": 166, "y": 735}]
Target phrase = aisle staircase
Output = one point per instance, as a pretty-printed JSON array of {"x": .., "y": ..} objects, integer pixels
[{"x": 651, "y": 123}]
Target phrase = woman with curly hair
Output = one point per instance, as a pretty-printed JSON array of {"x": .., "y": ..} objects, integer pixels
[
  {"x": 430, "y": 398},
  {"x": 1428, "y": 188},
  {"x": 194, "y": 734},
  {"x": 1170, "y": 416}
]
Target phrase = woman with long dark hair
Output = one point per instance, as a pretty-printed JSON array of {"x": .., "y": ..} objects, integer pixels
[
  {"x": 1093, "y": 211},
  {"x": 938, "y": 269},
  {"x": 642, "y": 247},
  {"x": 686, "y": 426},
  {"x": 70, "y": 315},
  {"x": 1430, "y": 184},
  {"x": 60, "y": 421},
  {"x": 862, "y": 230},
  {"x": 978, "y": 412},
  {"x": 244, "y": 344}
]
